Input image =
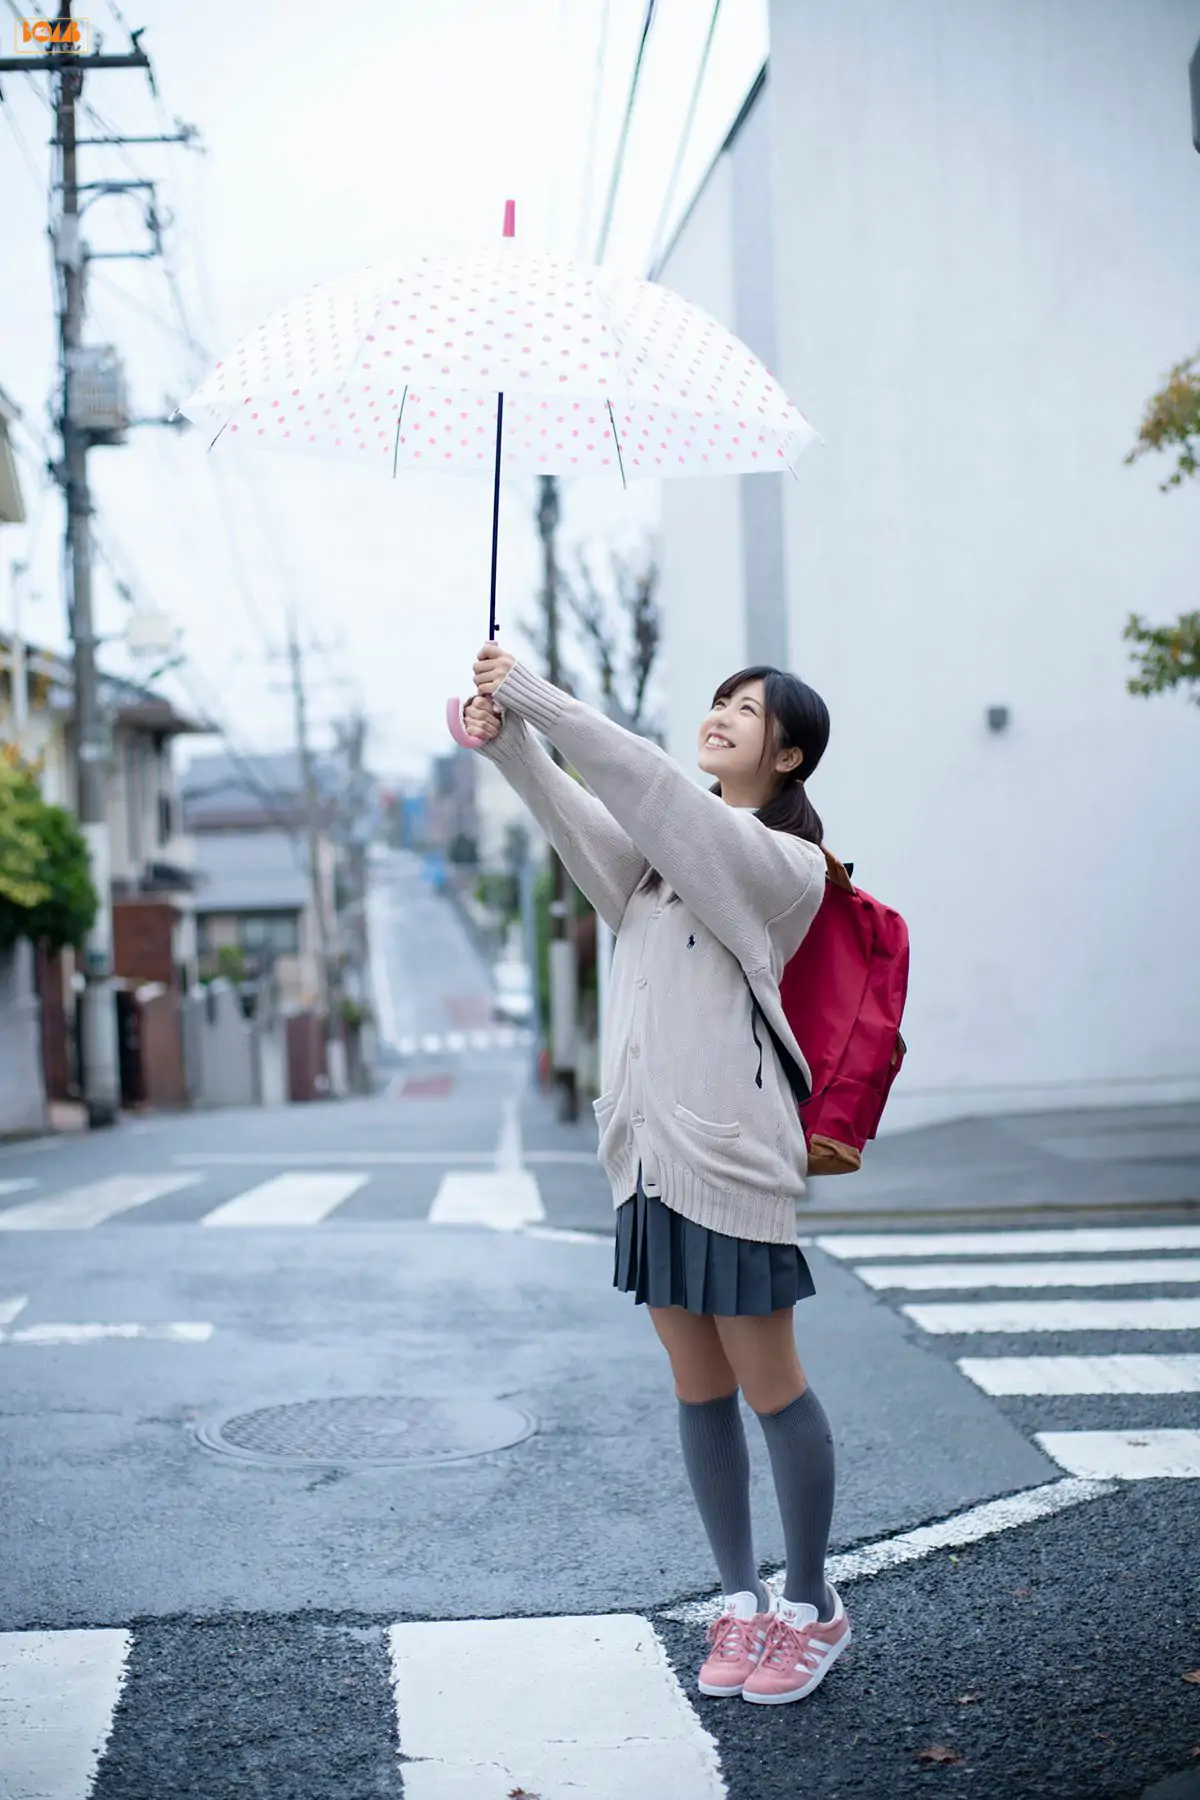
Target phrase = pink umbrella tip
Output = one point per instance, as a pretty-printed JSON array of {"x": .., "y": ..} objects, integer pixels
[{"x": 510, "y": 218}]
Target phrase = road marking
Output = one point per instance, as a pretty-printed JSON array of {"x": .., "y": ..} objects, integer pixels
[
  {"x": 969, "y": 1527},
  {"x": 1125, "y": 1455},
  {"x": 82, "y": 1207},
  {"x": 508, "y": 1150},
  {"x": 381, "y": 984},
  {"x": 554, "y": 1234},
  {"x": 572, "y": 1157},
  {"x": 586, "y": 1706},
  {"x": 58, "y": 1693},
  {"x": 287, "y": 1200},
  {"x": 456, "y": 1040},
  {"x": 1056, "y": 1315},
  {"x": 431, "y": 1044},
  {"x": 1083, "y": 1238},
  {"x": 17, "y": 1187},
  {"x": 1083, "y": 1374},
  {"x": 505, "y": 1200},
  {"x": 1150, "y": 1272},
  {"x": 481, "y": 1040},
  {"x": 407, "y": 1046},
  {"x": 10, "y": 1308},
  {"x": 282, "y": 1159},
  {"x": 184, "y": 1332}
]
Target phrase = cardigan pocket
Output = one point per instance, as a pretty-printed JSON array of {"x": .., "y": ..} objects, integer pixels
[{"x": 706, "y": 1126}]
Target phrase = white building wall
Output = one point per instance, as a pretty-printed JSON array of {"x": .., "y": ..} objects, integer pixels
[
  {"x": 702, "y": 590},
  {"x": 987, "y": 254}
]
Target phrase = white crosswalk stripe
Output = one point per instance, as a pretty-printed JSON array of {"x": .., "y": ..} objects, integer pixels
[
  {"x": 93, "y": 1203},
  {"x": 292, "y": 1199},
  {"x": 589, "y": 1706},
  {"x": 58, "y": 1693},
  {"x": 455, "y": 1043},
  {"x": 1083, "y": 1374},
  {"x": 1078, "y": 1240},
  {"x": 1056, "y": 1315},
  {"x": 1101, "y": 1259},
  {"x": 945, "y": 1276}
]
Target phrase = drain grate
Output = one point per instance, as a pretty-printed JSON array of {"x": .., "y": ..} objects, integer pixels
[{"x": 367, "y": 1429}]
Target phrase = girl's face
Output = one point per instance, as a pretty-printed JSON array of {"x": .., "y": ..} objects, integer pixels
[
  {"x": 732, "y": 735},
  {"x": 731, "y": 744}
]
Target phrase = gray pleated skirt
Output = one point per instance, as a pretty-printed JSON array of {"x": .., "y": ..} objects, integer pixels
[{"x": 663, "y": 1259}]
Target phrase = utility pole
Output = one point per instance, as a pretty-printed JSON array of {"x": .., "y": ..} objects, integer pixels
[
  {"x": 564, "y": 979},
  {"x": 330, "y": 984},
  {"x": 101, "y": 1070},
  {"x": 60, "y": 41}
]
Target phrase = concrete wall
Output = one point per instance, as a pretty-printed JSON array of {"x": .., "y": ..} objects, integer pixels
[
  {"x": 986, "y": 255},
  {"x": 219, "y": 1053},
  {"x": 22, "y": 1095}
]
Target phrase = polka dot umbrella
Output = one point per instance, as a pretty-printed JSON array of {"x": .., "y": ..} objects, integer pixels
[{"x": 466, "y": 363}]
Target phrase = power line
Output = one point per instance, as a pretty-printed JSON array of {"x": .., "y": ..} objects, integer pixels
[
  {"x": 23, "y": 147},
  {"x": 656, "y": 242},
  {"x": 623, "y": 141}
]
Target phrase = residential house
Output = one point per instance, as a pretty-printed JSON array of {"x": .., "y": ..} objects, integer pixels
[
  {"x": 255, "y": 900},
  {"x": 154, "y": 941},
  {"x": 22, "y": 1093},
  {"x": 967, "y": 242}
]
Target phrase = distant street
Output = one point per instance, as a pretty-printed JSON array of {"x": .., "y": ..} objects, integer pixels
[{"x": 275, "y": 1420}]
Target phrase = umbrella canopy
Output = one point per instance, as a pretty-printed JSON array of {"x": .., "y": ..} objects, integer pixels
[{"x": 602, "y": 374}]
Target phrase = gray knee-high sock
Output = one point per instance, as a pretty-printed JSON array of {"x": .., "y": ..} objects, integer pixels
[
  {"x": 718, "y": 1467},
  {"x": 801, "y": 1448}
]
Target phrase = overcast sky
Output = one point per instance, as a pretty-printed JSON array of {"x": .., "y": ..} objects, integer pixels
[{"x": 335, "y": 138}]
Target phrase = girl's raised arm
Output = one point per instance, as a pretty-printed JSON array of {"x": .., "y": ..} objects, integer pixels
[
  {"x": 598, "y": 855},
  {"x": 754, "y": 888}
]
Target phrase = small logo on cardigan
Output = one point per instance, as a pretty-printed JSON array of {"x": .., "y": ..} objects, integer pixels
[{"x": 691, "y": 943}]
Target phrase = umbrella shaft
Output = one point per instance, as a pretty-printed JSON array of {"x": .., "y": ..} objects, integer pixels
[{"x": 496, "y": 519}]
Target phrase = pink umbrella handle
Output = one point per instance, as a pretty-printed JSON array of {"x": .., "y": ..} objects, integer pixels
[{"x": 458, "y": 731}]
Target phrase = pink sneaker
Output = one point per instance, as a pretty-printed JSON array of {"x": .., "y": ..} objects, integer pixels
[
  {"x": 737, "y": 1638},
  {"x": 797, "y": 1653}
]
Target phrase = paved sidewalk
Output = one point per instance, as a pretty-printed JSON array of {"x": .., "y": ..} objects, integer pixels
[{"x": 1013, "y": 1167}]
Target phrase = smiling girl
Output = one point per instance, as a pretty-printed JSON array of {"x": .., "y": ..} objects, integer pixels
[{"x": 709, "y": 895}]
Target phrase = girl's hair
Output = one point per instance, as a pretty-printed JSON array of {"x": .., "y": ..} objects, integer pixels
[{"x": 796, "y": 719}]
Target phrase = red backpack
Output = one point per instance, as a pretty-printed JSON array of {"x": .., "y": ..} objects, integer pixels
[{"x": 843, "y": 994}]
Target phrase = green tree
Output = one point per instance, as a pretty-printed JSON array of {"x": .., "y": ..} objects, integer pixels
[
  {"x": 46, "y": 891},
  {"x": 1168, "y": 656}
]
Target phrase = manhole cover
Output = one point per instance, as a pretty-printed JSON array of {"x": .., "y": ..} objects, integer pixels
[{"x": 367, "y": 1429}]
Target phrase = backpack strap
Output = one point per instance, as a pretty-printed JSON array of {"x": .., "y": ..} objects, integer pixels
[
  {"x": 838, "y": 873},
  {"x": 801, "y": 1092}
]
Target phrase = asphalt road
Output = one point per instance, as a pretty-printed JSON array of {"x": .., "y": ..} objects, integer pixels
[{"x": 177, "y": 1620}]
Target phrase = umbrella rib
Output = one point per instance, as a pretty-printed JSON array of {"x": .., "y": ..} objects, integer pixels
[
  {"x": 219, "y": 432},
  {"x": 617, "y": 442},
  {"x": 399, "y": 416}
]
